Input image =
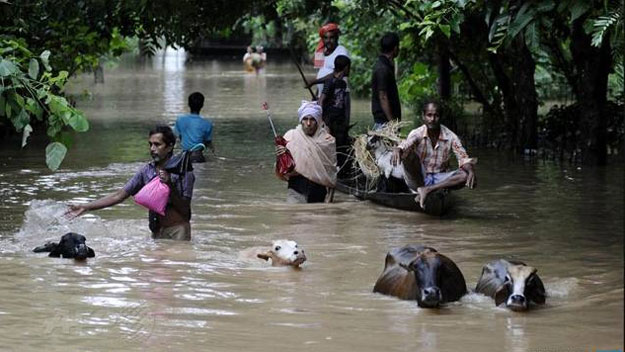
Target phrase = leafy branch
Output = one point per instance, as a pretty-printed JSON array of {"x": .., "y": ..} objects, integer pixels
[{"x": 28, "y": 96}]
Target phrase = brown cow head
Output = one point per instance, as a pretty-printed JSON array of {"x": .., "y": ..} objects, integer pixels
[{"x": 427, "y": 269}]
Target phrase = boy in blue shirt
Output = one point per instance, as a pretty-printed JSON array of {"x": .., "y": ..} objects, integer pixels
[{"x": 195, "y": 130}]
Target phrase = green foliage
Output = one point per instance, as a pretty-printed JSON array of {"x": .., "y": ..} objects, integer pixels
[
  {"x": 29, "y": 97},
  {"x": 55, "y": 153},
  {"x": 561, "y": 128},
  {"x": 418, "y": 83},
  {"x": 82, "y": 34},
  {"x": 601, "y": 26},
  {"x": 610, "y": 23},
  {"x": 259, "y": 28},
  {"x": 483, "y": 38},
  {"x": 362, "y": 30},
  {"x": 616, "y": 83}
]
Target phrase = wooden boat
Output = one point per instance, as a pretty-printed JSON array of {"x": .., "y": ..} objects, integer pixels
[{"x": 437, "y": 202}]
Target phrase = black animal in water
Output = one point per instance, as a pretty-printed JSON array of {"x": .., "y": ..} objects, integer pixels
[
  {"x": 72, "y": 245},
  {"x": 421, "y": 273}
]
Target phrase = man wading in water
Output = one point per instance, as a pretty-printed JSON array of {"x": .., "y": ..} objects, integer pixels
[
  {"x": 313, "y": 150},
  {"x": 195, "y": 130},
  {"x": 175, "y": 223}
]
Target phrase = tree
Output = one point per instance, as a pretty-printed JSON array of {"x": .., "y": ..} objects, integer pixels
[
  {"x": 582, "y": 39},
  {"x": 29, "y": 94},
  {"x": 71, "y": 36}
]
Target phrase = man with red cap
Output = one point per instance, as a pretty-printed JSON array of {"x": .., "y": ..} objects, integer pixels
[{"x": 327, "y": 50}]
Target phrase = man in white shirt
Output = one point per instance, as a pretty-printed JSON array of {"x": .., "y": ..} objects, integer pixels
[{"x": 327, "y": 50}]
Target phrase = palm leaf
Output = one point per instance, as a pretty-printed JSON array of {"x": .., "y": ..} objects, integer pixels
[{"x": 601, "y": 25}]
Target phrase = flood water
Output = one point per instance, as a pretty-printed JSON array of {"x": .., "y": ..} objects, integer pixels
[{"x": 141, "y": 294}]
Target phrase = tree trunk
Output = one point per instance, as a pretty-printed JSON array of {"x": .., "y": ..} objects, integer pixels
[
  {"x": 279, "y": 33},
  {"x": 98, "y": 73},
  {"x": 514, "y": 69},
  {"x": 444, "y": 68},
  {"x": 592, "y": 67},
  {"x": 526, "y": 97},
  {"x": 444, "y": 78}
]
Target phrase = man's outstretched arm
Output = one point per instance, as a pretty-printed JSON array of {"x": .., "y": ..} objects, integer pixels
[{"x": 104, "y": 202}]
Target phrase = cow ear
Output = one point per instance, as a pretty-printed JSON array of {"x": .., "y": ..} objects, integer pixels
[
  {"x": 501, "y": 295},
  {"x": 536, "y": 291},
  {"x": 408, "y": 267},
  {"x": 452, "y": 283},
  {"x": 265, "y": 256},
  {"x": 56, "y": 251}
]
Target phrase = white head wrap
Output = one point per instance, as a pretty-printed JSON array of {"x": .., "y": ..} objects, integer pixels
[{"x": 310, "y": 108}]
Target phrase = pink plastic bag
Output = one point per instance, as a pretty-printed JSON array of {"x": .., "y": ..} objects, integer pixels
[{"x": 154, "y": 196}]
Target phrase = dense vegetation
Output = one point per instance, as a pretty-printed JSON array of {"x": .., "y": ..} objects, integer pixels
[
  {"x": 43, "y": 42},
  {"x": 509, "y": 56}
]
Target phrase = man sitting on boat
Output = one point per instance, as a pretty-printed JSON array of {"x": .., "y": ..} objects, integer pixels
[
  {"x": 432, "y": 143},
  {"x": 314, "y": 153}
]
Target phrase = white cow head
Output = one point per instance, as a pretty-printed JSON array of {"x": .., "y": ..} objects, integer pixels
[{"x": 284, "y": 252}]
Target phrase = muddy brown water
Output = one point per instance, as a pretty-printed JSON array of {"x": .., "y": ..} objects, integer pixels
[{"x": 138, "y": 294}]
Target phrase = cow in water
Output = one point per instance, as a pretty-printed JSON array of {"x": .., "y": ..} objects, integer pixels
[
  {"x": 72, "y": 245},
  {"x": 511, "y": 282},
  {"x": 421, "y": 273},
  {"x": 284, "y": 253}
]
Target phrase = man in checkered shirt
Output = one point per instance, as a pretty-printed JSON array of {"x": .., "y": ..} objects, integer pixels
[{"x": 433, "y": 144}]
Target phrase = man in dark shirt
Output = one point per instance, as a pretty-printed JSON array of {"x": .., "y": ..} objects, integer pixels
[
  {"x": 385, "y": 104},
  {"x": 175, "y": 223},
  {"x": 333, "y": 100}
]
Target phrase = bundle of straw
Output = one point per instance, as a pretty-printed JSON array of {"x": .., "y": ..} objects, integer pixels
[
  {"x": 364, "y": 159},
  {"x": 389, "y": 133}
]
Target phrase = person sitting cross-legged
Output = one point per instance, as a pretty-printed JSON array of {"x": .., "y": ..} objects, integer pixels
[{"x": 433, "y": 143}]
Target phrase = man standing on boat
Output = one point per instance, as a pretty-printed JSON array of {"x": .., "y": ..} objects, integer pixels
[
  {"x": 313, "y": 150},
  {"x": 195, "y": 131},
  {"x": 385, "y": 104},
  {"x": 432, "y": 143},
  {"x": 327, "y": 51}
]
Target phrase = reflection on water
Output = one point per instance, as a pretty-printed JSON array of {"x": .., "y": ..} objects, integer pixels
[{"x": 140, "y": 294}]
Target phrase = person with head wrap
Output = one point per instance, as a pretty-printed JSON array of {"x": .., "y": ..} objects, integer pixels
[
  {"x": 314, "y": 152},
  {"x": 327, "y": 51}
]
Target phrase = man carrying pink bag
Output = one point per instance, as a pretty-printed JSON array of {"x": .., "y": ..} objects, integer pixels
[{"x": 164, "y": 186}]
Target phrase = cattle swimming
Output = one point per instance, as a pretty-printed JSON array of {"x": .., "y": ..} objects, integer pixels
[
  {"x": 284, "y": 253},
  {"x": 72, "y": 245},
  {"x": 511, "y": 282},
  {"x": 421, "y": 273}
]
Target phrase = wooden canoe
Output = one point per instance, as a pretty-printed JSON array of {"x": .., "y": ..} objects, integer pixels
[{"x": 437, "y": 202}]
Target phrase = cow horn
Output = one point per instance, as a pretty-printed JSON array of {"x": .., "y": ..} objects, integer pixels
[{"x": 265, "y": 256}]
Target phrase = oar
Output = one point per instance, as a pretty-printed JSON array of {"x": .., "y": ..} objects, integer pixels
[{"x": 299, "y": 68}]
